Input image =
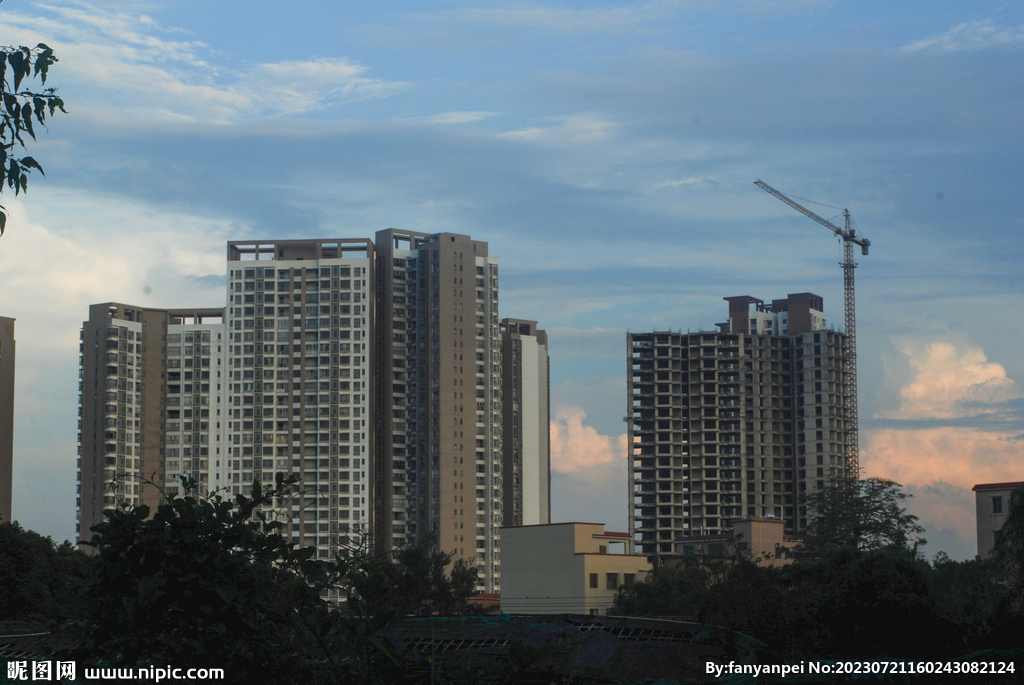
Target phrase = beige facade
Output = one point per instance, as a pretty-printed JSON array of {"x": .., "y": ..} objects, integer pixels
[
  {"x": 762, "y": 541},
  {"x": 565, "y": 568},
  {"x": 138, "y": 403},
  {"x": 439, "y": 397},
  {"x": 992, "y": 503},
  {"x": 733, "y": 424},
  {"x": 6, "y": 415},
  {"x": 526, "y": 438}
]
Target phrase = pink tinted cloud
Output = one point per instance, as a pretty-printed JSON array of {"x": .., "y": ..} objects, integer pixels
[
  {"x": 576, "y": 448},
  {"x": 958, "y": 455},
  {"x": 941, "y": 464}
]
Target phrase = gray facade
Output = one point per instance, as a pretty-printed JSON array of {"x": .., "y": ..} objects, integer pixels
[
  {"x": 7, "y": 350},
  {"x": 526, "y": 431}
]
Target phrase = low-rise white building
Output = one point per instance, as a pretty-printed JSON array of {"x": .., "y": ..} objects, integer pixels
[{"x": 992, "y": 501}]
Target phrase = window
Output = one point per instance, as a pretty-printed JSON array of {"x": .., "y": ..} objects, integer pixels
[
  {"x": 997, "y": 505},
  {"x": 593, "y": 580},
  {"x": 612, "y": 581},
  {"x": 628, "y": 579}
]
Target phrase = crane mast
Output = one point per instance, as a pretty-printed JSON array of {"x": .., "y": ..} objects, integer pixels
[{"x": 850, "y": 237}]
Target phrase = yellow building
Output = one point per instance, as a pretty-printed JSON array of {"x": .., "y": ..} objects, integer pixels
[{"x": 565, "y": 568}]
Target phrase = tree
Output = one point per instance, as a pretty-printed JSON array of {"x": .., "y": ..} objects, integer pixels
[
  {"x": 864, "y": 515},
  {"x": 967, "y": 594},
  {"x": 208, "y": 581},
  {"x": 38, "y": 578},
  {"x": 416, "y": 581},
  {"x": 18, "y": 110},
  {"x": 1009, "y": 551},
  {"x": 678, "y": 589},
  {"x": 854, "y": 603}
]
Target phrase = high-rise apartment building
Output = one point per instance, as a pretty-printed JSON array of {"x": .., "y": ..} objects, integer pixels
[
  {"x": 526, "y": 431},
  {"x": 144, "y": 396},
  {"x": 6, "y": 415},
  {"x": 439, "y": 396},
  {"x": 735, "y": 423},
  {"x": 299, "y": 360},
  {"x": 371, "y": 372}
]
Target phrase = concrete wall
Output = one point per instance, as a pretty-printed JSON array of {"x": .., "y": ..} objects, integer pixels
[
  {"x": 988, "y": 498},
  {"x": 547, "y": 569}
]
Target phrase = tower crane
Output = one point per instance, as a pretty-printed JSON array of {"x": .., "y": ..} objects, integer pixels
[{"x": 850, "y": 237}]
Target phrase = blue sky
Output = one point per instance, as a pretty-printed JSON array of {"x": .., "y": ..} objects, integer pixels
[{"x": 607, "y": 151}]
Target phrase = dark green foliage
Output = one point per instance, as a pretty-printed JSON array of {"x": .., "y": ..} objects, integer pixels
[
  {"x": 968, "y": 595},
  {"x": 750, "y": 601},
  {"x": 1009, "y": 553},
  {"x": 413, "y": 582},
  {"x": 19, "y": 109},
  {"x": 854, "y": 604},
  {"x": 205, "y": 582},
  {"x": 865, "y": 515},
  {"x": 859, "y": 588},
  {"x": 211, "y": 582},
  {"x": 680, "y": 589},
  {"x": 38, "y": 578}
]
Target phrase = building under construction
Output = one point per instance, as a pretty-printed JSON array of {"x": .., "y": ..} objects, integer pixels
[{"x": 736, "y": 423}]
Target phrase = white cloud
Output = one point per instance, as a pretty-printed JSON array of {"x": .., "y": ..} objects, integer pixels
[
  {"x": 950, "y": 381},
  {"x": 459, "y": 117},
  {"x": 107, "y": 51},
  {"x": 688, "y": 181},
  {"x": 972, "y": 35},
  {"x": 52, "y": 275},
  {"x": 294, "y": 87},
  {"x": 574, "y": 129},
  {"x": 588, "y": 471}
]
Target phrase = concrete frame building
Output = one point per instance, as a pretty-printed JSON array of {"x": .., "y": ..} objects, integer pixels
[
  {"x": 735, "y": 423},
  {"x": 334, "y": 361},
  {"x": 526, "y": 459},
  {"x": 992, "y": 504},
  {"x": 566, "y": 568},
  {"x": 7, "y": 357}
]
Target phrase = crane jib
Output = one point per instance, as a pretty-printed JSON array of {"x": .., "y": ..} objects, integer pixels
[{"x": 849, "y": 236}]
